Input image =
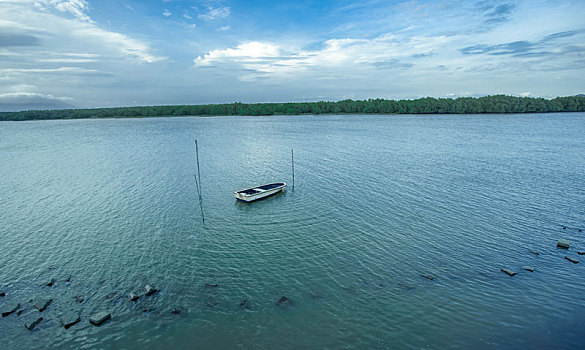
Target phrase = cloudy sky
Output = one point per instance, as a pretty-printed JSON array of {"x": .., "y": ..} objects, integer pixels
[{"x": 103, "y": 53}]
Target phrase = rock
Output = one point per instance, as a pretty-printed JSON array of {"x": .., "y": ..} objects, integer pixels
[
  {"x": 42, "y": 304},
  {"x": 51, "y": 282},
  {"x": 19, "y": 312},
  {"x": 78, "y": 299},
  {"x": 580, "y": 230},
  {"x": 509, "y": 272},
  {"x": 572, "y": 260},
  {"x": 150, "y": 290},
  {"x": 563, "y": 243},
  {"x": 9, "y": 308},
  {"x": 283, "y": 301},
  {"x": 211, "y": 285},
  {"x": 528, "y": 268},
  {"x": 535, "y": 253},
  {"x": 146, "y": 309},
  {"x": 564, "y": 227},
  {"x": 133, "y": 297},
  {"x": 99, "y": 318},
  {"x": 2, "y": 294},
  {"x": 245, "y": 304},
  {"x": 69, "y": 319},
  {"x": 32, "y": 324},
  {"x": 68, "y": 278},
  {"x": 175, "y": 311},
  {"x": 429, "y": 277},
  {"x": 581, "y": 253}
]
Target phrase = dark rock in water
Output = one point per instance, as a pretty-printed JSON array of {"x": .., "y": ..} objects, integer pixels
[
  {"x": 564, "y": 227},
  {"x": 51, "y": 282},
  {"x": 150, "y": 290},
  {"x": 581, "y": 253},
  {"x": 429, "y": 277},
  {"x": 572, "y": 260},
  {"x": 580, "y": 230},
  {"x": 9, "y": 308},
  {"x": 42, "y": 304},
  {"x": 509, "y": 272},
  {"x": 19, "y": 312},
  {"x": 146, "y": 309},
  {"x": 32, "y": 324},
  {"x": 68, "y": 278},
  {"x": 78, "y": 299},
  {"x": 175, "y": 311},
  {"x": 283, "y": 301},
  {"x": 99, "y": 318},
  {"x": 535, "y": 253},
  {"x": 2, "y": 294},
  {"x": 245, "y": 304},
  {"x": 529, "y": 268},
  {"x": 69, "y": 319},
  {"x": 133, "y": 297},
  {"x": 211, "y": 285}
]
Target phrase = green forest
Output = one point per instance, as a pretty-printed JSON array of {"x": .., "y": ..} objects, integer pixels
[{"x": 428, "y": 105}]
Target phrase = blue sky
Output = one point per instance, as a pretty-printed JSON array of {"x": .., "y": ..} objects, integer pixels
[{"x": 86, "y": 53}]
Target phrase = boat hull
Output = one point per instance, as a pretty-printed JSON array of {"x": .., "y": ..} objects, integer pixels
[{"x": 255, "y": 193}]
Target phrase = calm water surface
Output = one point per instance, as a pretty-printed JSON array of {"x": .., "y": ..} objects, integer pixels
[{"x": 378, "y": 201}]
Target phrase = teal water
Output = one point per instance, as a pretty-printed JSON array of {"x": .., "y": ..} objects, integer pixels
[{"x": 378, "y": 201}]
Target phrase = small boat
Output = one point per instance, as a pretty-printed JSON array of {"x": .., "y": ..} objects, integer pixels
[{"x": 258, "y": 192}]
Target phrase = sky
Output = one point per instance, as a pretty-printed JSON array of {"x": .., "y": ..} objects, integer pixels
[{"x": 109, "y": 53}]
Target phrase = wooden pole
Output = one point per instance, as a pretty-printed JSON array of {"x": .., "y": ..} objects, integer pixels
[
  {"x": 292, "y": 156},
  {"x": 198, "y": 182}
]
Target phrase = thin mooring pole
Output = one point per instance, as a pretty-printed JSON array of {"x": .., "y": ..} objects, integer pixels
[
  {"x": 198, "y": 182},
  {"x": 292, "y": 157}
]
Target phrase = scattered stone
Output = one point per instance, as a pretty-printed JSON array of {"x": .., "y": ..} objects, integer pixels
[
  {"x": 99, "y": 318},
  {"x": 78, "y": 299},
  {"x": 528, "y": 268},
  {"x": 175, "y": 311},
  {"x": 69, "y": 319},
  {"x": 535, "y": 253},
  {"x": 563, "y": 243},
  {"x": 42, "y": 304},
  {"x": 509, "y": 272},
  {"x": 10, "y": 308},
  {"x": 31, "y": 325},
  {"x": 133, "y": 297},
  {"x": 51, "y": 282},
  {"x": 211, "y": 285},
  {"x": 283, "y": 301},
  {"x": 150, "y": 290},
  {"x": 581, "y": 253},
  {"x": 572, "y": 260},
  {"x": 429, "y": 277}
]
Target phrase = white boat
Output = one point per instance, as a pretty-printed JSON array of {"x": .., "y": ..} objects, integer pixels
[{"x": 258, "y": 192}]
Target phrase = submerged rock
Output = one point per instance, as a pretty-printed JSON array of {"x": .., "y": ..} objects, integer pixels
[
  {"x": 32, "y": 324},
  {"x": 51, "y": 282},
  {"x": 529, "y": 268},
  {"x": 150, "y": 290},
  {"x": 572, "y": 260},
  {"x": 534, "y": 252},
  {"x": 99, "y": 318},
  {"x": 245, "y": 304},
  {"x": 42, "y": 304},
  {"x": 211, "y": 285},
  {"x": 429, "y": 277},
  {"x": 2, "y": 294},
  {"x": 133, "y": 297},
  {"x": 9, "y": 308},
  {"x": 78, "y": 299},
  {"x": 68, "y": 278},
  {"x": 69, "y": 319},
  {"x": 581, "y": 253},
  {"x": 175, "y": 311},
  {"x": 508, "y": 272},
  {"x": 283, "y": 301}
]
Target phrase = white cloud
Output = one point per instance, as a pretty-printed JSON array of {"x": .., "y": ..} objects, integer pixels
[
  {"x": 77, "y": 8},
  {"x": 215, "y": 13},
  {"x": 187, "y": 16},
  {"x": 167, "y": 13},
  {"x": 224, "y": 28}
]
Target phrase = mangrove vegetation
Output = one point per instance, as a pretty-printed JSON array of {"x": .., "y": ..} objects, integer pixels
[{"x": 428, "y": 105}]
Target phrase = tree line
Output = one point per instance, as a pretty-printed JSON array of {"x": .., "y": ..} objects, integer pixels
[{"x": 427, "y": 105}]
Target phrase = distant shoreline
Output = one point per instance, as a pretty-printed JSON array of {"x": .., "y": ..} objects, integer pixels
[{"x": 497, "y": 104}]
